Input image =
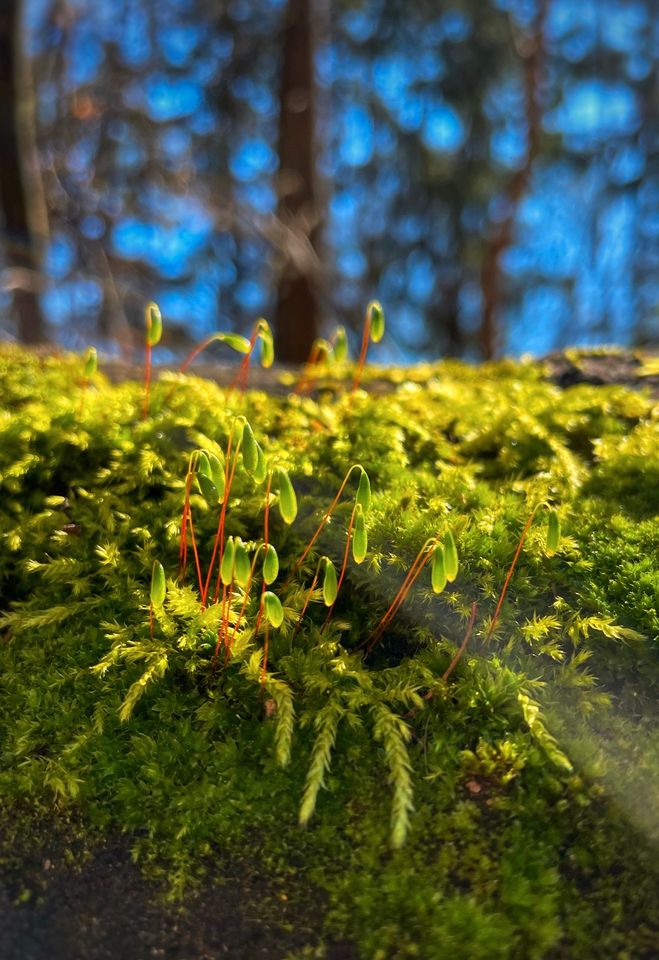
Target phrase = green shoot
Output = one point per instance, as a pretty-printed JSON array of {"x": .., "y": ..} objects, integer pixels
[
  {"x": 359, "y": 537},
  {"x": 438, "y": 571},
  {"x": 330, "y": 585},
  {"x": 260, "y": 331},
  {"x": 270, "y": 565},
  {"x": 357, "y": 553},
  {"x": 330, "y": 589},
  {"x": 274, "y": 612},
  {"x": 234, "y": 340},
  {"x": 153, "y": 320},
  {"x": 444, "y": 561},
  {"x": 319, "y": 354},
  {"x": 373, "y": 333},
  {"x": 553, "y": 533},
  {"x": 287, "y": 499},
  {"x": 323, "y": 352},
  {"x": 450, "y": 552},
  {"x": 242, "y": 565},
  {"x": 158, "y": 591},
  {"x": 329, "y": 511},
  {"x": 235, "y": 442},
  {"x": 186, "y": 523}
]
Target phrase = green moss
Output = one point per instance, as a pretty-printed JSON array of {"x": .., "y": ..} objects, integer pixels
[{"x": 509, "y": 811}]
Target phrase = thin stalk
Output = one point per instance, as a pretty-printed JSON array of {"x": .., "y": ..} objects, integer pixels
[
  {"x": 147, "y": 380},
  {"x": 220, "y": 629},
  {"x": 195, "y": 353},
  {"x": 266, "y": 535},
  {"x": 344, "y": 567},
  {"x": 322, "y": 523},
  {"x": 308, "y": 376},
  {"x": 396, "y": 605},
  {"x": 306, "y": 603},
  {"x": 219, "y": 536},
  {"x": 183, "y": 545},
  {"x": 463, "y": 646},
  {"x": 195, "y": 551},
  {"x": 229, "y": 474},
  {"x": 240, "y": 380},
  {"x": 525, "y": 531},
  {"x": 413, "y": 573},
  {"x": 248, "y": 587},
  {"x": 362, "y": 353},
  {"x": 151, "y": 620},
  {"x": 264, "y": 667}
]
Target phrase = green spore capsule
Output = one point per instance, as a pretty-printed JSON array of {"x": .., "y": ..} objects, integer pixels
[
  {"x": 451, "y": 563},
  {"x": 217, "y": 475},
  {"x": 553, "y": 533},
  {"x": 237, "y": 430},
  {"x": 91, "y": 362},
  {"x": 236, "y": 341},
  {"x": 153, "y": 324},
  {"x": 330, "y": 584},
  {"x": 270, "y": 564},
  {"x": 437, "y": 571},
  {"x": 228, "y": 560},
  {"x": 377, "y": 320},
  {"x": 158, "y": 585},
  {"x": 274, "y": 612},
  {"x": 209, "y": 491},
  {"x": 322, "y": 350},
  {"x": 287, "y": 498},
  {"x": 261, "y": 468},
  {"x": 363, "y": 497},
  {"x": 241, "y": 564},
  {"x": 359, "y": 536},
  {"x": 267, "y": 344},
  {"x": 203, "y": 464},
  {"x": 250, "y": 455},
  {"x": 340, "y": 345}
]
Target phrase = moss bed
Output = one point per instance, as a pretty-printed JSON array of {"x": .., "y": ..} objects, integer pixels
[{"x": 507, "y": 811}]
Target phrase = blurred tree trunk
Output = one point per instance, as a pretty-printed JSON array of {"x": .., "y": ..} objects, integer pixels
[
  {"x": 296, "y": 317},
  {"x": 530, "y": 49},
  {"x": 21, "y": 198}
]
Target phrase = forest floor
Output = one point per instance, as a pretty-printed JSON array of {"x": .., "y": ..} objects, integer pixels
[{"x": 100, "y": 906}]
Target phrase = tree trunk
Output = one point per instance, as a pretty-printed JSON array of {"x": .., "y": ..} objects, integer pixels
[
  {"x": 296, "y": 316},
  {"x": 21, "y": 199},
  {"x": 530, "y": 49}
]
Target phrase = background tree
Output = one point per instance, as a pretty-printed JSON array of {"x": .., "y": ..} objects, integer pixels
[
  {"x": 296, "y": 313},
  {"x": 21, "y": 206},
  {"x": 485, "y": 219}
]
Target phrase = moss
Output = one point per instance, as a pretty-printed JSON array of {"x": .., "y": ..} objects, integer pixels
[{"x": 506, "y": 811}]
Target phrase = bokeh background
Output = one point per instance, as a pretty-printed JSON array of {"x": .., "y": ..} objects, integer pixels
[{"x": 488, "y": 169}]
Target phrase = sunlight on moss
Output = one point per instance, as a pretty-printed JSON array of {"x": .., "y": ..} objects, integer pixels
[{"x": 484, "y": 811}]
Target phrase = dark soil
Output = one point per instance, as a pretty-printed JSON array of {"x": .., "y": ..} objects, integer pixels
[
  {"x": 104, "y": 909},
  {"x": 623, "y": 368}
]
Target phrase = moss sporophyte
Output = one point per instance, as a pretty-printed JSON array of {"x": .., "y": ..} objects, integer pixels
[
  {"x": 236, "y": 572},
  {"x": 219, "y": 622}
]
